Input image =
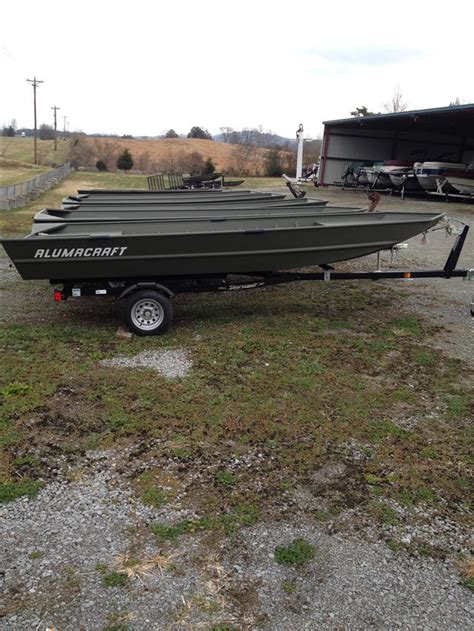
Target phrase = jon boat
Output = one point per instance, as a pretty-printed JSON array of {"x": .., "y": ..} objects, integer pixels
[
  {"x": 120, "y": 250},
  {"x": 227, "y": 198},
  {"x": 147, "y": 191},
  {"x": 199, "y": 180},
  {"x": 195, "y": 208},
  {"x": 52, "y": 215}
]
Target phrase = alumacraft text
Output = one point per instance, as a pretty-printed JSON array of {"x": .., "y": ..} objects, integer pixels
[{"x": 73, "y": 253}]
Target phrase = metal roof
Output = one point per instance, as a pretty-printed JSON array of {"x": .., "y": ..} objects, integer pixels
[{"x": 455, "y": 119}]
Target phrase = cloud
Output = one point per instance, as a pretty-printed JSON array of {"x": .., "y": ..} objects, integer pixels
[{"x": 366, "y": 56}]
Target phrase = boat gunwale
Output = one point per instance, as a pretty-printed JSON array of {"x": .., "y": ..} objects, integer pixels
[{"x": 44, "y": 234}]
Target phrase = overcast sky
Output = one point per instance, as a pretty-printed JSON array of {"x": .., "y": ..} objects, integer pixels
[{"x": 140, "y": 67}]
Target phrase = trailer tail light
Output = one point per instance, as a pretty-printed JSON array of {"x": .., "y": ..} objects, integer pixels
[
  {"x": 58, "y": 296},
  {"x": 407, "y": 275}
]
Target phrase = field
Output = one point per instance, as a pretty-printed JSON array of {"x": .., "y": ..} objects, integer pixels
[
  {"x": 22, "y": 150},
  {"x": 317, "y": 451},
  {"x": 167, "y": 155}
]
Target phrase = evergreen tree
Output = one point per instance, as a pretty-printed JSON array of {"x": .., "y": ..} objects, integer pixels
[
  {"x": 273, "y": 166},
  {"x": 209, "y": 166},
  {"x": 100, "y": 165},
  {"x": 125, "y": 161},
  {"x": 199, "y": 132}
]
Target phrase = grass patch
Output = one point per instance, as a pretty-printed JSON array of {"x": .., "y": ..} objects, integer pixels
[
  {"x": 380, "y": 430},
  {"x": 155, "y": 497},
  {"x": 409, "y": 326},
  {"x": 383, "y": 514},
  {"x": 322, "y": 515},
  {"x": 10, "y": 491},
  {"x": 289, "y": 587},
  {"x": 114, "y": 579},
  {"x": 425, "y": 358},
  {"x": 241, "y": 515},
  {"x": 458, "y": 406},
  {"x": 226, "y": 478},
  {"x": 299, "y": 552}
]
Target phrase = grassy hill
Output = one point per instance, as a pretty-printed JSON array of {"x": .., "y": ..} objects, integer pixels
[
  {"x": 22, "y": 150},
  {"x": 174, "y": 154},
  {"x": 168, "y": 155}
]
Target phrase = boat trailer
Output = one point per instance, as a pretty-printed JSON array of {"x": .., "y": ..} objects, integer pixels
[{"x": 146, "y": 303}]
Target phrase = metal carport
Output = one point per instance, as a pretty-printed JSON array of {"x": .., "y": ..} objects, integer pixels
[{"x": 441, "y": 133}]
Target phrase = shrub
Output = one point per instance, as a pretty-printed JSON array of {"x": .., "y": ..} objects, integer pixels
[{"x": 125, "y": 161}]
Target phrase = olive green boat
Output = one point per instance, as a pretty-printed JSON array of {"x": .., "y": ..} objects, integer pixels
[
  {"x": 53, "y": 215},
  {"x": 228, "y": 198},
  {"x": 179, "y": 208},
  {"x": 120, "y": 250}
]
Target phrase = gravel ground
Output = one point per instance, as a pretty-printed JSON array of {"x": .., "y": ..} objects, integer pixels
[
  {"x": 171, "y": 364},
  {"x": 52, "y": 546}
]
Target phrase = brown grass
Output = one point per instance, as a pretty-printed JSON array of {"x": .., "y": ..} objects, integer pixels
[{"x": 164, "y": 150}]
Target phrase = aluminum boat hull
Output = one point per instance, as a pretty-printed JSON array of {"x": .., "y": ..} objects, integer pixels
[
  {"x": 85, "y": 216},
  {"x": 229, "y": 198},
  {"x": 151, "y": 250},
  {"x": 192, "y": 208}
]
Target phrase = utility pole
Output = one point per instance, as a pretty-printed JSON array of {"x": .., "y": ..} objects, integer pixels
[
  {"x": 55, "y": 108},
  {"x": 35, "y": 82},
  {"x": 64, "y": 130}
]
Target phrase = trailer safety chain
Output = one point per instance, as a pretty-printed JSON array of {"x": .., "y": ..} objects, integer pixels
[{"x": 449, "y": 225}]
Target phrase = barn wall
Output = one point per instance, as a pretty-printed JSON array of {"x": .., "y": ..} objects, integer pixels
[{"x": 344, "y": 147}]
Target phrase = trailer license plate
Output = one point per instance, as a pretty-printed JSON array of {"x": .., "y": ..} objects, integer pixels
[{"x": 76, "y": 292}]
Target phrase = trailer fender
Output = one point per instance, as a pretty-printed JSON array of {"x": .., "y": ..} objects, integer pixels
[{"x": 139, "y": 286}]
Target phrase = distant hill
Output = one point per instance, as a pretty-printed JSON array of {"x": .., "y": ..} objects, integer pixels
[{"x": 172, "y": 154}]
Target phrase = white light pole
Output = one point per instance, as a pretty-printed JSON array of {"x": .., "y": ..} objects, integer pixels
[{"x": 299, "y": 155}]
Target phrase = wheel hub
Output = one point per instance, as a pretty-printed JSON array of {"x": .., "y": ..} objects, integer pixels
[{"x": 147, "y": 314}]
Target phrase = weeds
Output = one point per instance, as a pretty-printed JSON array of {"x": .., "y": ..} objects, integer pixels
[
  {"x": 114, "y": 579},
  {"x": 299, "y": 552},
  {"x": 10, "y": 491}
]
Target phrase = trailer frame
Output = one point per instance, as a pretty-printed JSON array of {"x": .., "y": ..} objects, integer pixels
[{"x": 163, "y": 289}]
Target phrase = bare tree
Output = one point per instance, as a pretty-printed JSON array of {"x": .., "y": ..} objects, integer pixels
[
  {"x": 105, "y": 151},
  {"x": 80, "y": 152},
  {"x": 396, "y": 104},
  {"x": 226, "y": 132},
  {"x": 142, "y": 162},
  {"x": 244, "y": 160}
]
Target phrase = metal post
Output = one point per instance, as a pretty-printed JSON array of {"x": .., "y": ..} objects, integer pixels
[
  {"x": 35, "y": 82},
  {"x": 299, "y": 155},
  {"x": 55, "y": 108}
]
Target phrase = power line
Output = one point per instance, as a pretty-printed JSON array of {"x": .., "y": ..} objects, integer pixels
[
  {"x": 55, "y": 108},
  {"x": 35, "y": 82}
]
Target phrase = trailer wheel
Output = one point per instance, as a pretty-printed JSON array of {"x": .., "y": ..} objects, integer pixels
[{"x": 147, "y": 312}]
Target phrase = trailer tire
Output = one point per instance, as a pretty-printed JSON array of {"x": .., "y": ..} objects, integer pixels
[{"x": 147, "y": 312}]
